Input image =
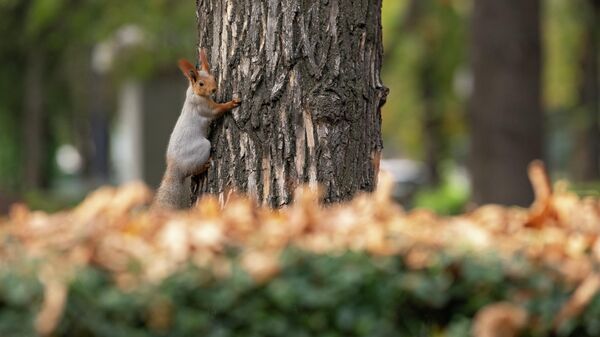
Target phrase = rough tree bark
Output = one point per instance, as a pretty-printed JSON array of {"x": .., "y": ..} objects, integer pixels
[
  {"x": 506, "y": 114},
  {"x": 308, "y": 75}
]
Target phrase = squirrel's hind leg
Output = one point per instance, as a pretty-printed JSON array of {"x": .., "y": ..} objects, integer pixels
[{"x": 203, "y": 168}]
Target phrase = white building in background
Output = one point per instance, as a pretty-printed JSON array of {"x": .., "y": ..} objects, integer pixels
[
  {"x": 127, "y": 136},
  {"x": 127, "y": 151}
]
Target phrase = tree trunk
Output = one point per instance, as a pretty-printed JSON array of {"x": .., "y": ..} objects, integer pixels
[
  {"x": 589, "y": 93},
  {"x": 308, "y": 75},
  {"x": 506, "y": 114},
  {"x": 34, "y": 121},
  {"x": 99, "y": 165},
  {"x": 432, "y": 117}
]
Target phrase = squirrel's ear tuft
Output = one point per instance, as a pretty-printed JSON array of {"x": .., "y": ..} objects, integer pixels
[
  {"x": 203, "y": 60},
  {"x": 188, "y": 70}
]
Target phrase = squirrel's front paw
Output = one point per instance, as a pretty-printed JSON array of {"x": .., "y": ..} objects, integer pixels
[{"x": 236, "y": 102}]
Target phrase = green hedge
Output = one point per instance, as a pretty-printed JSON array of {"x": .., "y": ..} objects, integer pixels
[{"x": 351, "y": 294}]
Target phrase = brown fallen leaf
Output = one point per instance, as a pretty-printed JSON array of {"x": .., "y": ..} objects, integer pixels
[
  {"x": 579, "y": 300},
  {"x": 502, "y": 319},
  {"x": 111, "y": 230},
  {"x": 55, "y": 296},
  {"x": 260, "y": 265},
  {"x": 542, "y": 209}
]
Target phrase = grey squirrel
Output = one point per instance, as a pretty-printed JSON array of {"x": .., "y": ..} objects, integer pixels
[{"x": 188, "y": 151}]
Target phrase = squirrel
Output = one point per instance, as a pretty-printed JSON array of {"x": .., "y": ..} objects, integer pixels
[{"x": 188, "y": 152}]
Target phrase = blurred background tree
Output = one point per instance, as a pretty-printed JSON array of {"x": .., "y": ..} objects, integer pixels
[
  {"x": 505, "y": 113},
  {"x": 568, "y": 31},
  {"x": 433, "y": 33},
  {"x": 52, "y": 93}
]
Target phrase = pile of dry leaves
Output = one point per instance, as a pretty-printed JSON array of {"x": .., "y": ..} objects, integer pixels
[{"x": 114, "y": 227}]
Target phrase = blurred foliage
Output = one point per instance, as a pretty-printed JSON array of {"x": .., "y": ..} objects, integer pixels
[
  {"x": 589, "y": 189},
  {"x": 563, "y": 31},
  {"x": 426, "y": 49},
  {"x": 564, "y": 41},
  {"x": 113, "y": 266},
  {"x": 450, "y": 197},
  {"x": 64, "y": 34},
  {"x": 350, "y": 294},
  {"x": 436, "y": 35},
  {"x": 48, "y": 202},
  {"x": 431, "y": 34}
]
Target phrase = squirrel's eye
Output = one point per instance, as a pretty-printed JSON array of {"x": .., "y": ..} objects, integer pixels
[{"x": 201, "y": 84}]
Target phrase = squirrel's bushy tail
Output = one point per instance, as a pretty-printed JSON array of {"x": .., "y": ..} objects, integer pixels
[{"x": 172, "y": 192}]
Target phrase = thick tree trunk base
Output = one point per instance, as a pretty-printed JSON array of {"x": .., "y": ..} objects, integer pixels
[
  {"x": 506, "y": 113},
  {"x": 308, "y": 75}
]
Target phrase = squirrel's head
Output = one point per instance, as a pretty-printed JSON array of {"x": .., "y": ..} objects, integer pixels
[{"x": 202, "y": 82}]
